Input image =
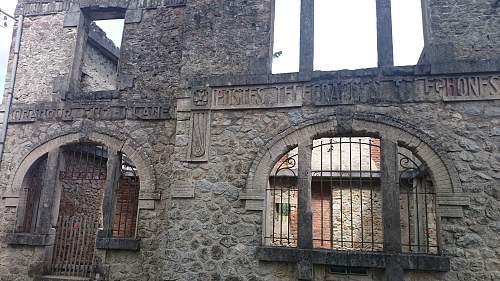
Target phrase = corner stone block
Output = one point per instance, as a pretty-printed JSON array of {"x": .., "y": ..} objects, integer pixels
[
  {"x": 72, "y": 19},
  {"x": 133, "y": 16}
]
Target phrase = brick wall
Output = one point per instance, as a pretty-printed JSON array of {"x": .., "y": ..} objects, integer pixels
[{"x": 127, "y": 200}]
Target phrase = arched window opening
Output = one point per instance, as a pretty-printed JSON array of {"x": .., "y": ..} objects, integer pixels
[
  {"x": 32, "y": 189},
  {"x": 346, "y": 196},
  {"x": 418, "y": 205},
  {"x": 281, "y": 229}
]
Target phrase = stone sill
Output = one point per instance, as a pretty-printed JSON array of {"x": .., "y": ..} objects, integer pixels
[
  {"x": 30, "y": 239},
  {"x": 375, "y": 260},
  {"x": 127, "y": 244}
]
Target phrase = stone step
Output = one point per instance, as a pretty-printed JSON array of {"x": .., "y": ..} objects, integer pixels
[{"x": 62, "y": 278}]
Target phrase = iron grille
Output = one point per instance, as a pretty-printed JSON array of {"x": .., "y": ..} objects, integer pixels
[
  {"x": 346, "y": 197},
  {"x": 418, "y": 206}
]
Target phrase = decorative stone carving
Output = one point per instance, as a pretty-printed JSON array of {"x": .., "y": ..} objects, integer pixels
[{"x": 200, "y": 135}]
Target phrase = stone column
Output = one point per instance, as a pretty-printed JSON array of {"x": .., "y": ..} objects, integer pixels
[
  {"x": 384, "y": 33},
  {"x": 45, "y": 218},
  {"x": 304, "y": 217},
  {"x": 109, "y": 202},
  {"x": 306, "y": 36},
  {"x": 390, "y": 210},
  {"x": 304, "y": 200}
]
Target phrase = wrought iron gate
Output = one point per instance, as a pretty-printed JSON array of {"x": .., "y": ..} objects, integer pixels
[
  {"x": 75, "y": 244},
  {"x": 80, "y": 214}
]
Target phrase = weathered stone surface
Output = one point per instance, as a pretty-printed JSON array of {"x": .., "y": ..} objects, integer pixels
[{"x": 185, "y": 49}]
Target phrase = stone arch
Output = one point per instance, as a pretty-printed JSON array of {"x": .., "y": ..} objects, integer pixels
[
  {"x": 141, "y": 160},
  {"x": 442, "y": 170}
]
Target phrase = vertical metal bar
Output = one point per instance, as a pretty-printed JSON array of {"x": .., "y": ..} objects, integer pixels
[
  {"x": 361, "y": 194},
  {"x": 289, "y": 214},
  {"x": 341, "y": 195},
  {"x": 81, "y": 245},
  {"x": 331, "y": 193},
  {"x": 417, "y": 214},
  {"x": 408, "y": 195},
  {"x": 371, "y": 198},
  {"x": 280, "y": 214},
  {"x": 424, "y": 183},
  {"x": 273, "y": 207},
  {"x": 321, "y": 191},
  {"x": 10, "y": 90},
  {"x": 120, "y": 204},
  {"x": 350, "y": 192}
]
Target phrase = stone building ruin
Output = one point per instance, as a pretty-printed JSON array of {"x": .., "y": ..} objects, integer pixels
[{"x": 179, "y": 155}]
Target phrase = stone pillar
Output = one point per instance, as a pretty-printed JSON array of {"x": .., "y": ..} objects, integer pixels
[
  {"x": 304, "y": 216},
  {"x": 306, "y": 36},
  {"x": 390, "y": 209},
  {"x": 45, "y": 217},
  {"x": 384, "y": 33},
  {"x": 109, "y": 202}
]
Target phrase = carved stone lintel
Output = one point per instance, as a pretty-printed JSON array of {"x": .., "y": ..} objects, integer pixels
[{"x": 200, "y": 136}]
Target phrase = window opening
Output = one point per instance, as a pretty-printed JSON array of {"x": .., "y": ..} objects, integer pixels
[
  {"x": 345, "y": 34},
  {"x": 286, "y": 45},
  {"x": 127, "y": 201},
  {"x": 283, "y": 194},
  {"x": 407, "y": 31},
  {"x": 101, "y": 56},
  {"x": 32, "y": 189},
  {"x": 418, "y": 206},
  {"x": 346, "y": 196}
]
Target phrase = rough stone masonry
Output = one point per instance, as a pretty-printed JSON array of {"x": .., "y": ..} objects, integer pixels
[{"x": 195, "y": 114}]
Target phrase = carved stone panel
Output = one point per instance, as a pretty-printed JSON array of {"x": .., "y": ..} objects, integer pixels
[
  {"x": 249, "y": 97},
  {"x": 93, "y": 111},
  {"x": 200, "y": 136}
]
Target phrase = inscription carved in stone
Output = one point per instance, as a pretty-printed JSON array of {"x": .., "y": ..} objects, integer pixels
[
  {"x": 462, "y": 88},
  {"x": 405, "y": 89},
  {"x": 97, "y": 111},
  {"x": 251, "y": 97}
]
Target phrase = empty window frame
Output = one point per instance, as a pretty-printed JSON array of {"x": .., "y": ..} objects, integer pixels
[
  {"x": 286, "y": 36},
  {"x": 345, "y": 34},
  {"x": 101, "y": 56},
  {"x": 407, "y": 31}
]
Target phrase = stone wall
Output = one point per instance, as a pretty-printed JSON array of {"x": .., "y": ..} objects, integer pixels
[
  {"x": 472, "y": 35},
  {"x": 98, "y": 71},
  {"x": 202, "y": 227}
]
